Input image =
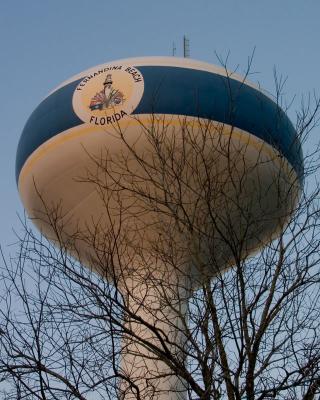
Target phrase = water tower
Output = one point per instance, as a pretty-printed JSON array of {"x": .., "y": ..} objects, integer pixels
[{"x": 167, "y": 152}]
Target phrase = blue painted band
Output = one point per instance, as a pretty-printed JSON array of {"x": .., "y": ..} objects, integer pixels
[
  {"x": 183, "y": 91},
  {"x": 176, "y": 91},
  {"x": 52, "y": 116}
]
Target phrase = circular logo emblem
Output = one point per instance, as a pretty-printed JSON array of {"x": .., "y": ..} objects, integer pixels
[{"x": 108, "y": 94}]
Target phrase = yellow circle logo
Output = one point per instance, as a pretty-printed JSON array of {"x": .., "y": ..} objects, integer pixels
[{"x": 108, "y": 94}]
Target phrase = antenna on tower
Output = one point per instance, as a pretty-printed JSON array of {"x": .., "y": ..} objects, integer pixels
[
  {"x": 174, "y": 49},
  {"x": 186, "y": 47}
]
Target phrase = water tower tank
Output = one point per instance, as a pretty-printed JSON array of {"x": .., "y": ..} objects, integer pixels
[{"x": 165, "y": 152}]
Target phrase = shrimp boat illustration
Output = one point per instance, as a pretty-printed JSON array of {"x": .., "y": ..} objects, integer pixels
[{"x": 108, "y": 97}]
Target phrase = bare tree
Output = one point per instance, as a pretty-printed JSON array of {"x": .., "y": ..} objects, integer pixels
[{"x": 79, "y": 329}]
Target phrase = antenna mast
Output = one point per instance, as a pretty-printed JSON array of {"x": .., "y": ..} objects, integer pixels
[
  {"x": 186, "y": 47},
  {"x": 174, "y": 49}
]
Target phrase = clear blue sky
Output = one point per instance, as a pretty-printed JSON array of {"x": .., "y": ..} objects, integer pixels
[{"x": 44, "y": 42}]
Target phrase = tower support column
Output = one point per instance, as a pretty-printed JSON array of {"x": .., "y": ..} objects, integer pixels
[{"x": 153, "y": 348}]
